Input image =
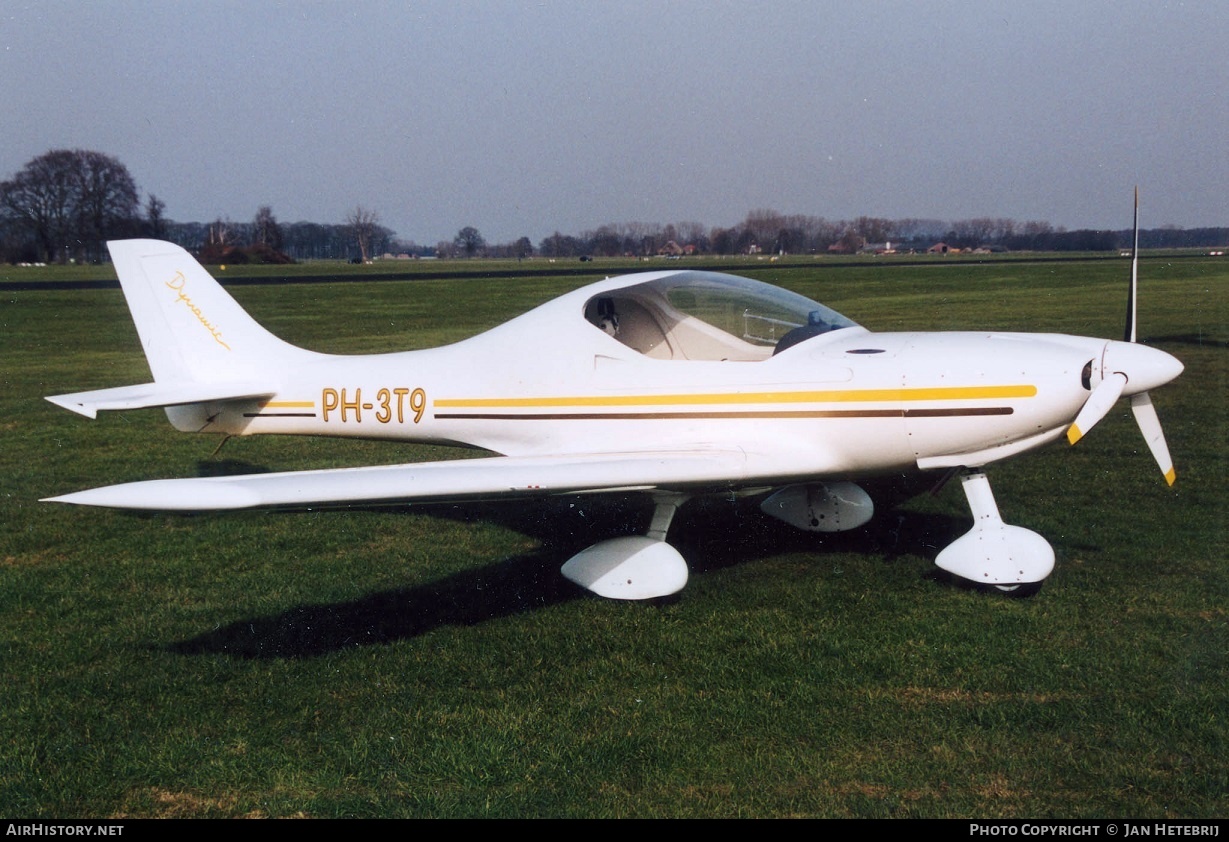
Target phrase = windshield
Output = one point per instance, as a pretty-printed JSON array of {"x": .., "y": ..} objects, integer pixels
[{"x": 710, "y": 316}]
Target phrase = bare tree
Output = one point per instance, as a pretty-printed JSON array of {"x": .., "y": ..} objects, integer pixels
[
  {"x": 220, "y": 233},
  {"x": 605, "y": 241},
  {"x": 764, "y": 225},
  {"x": 363, "y": 225},
  {"x": 873, "y": 229},
  {"x": 70, "y": 200},
  {"x": 155, "y": 220},
  {"x": 265, "y": 230},
  {"x": 107, "y": 201},
  {"x": 691, "y": 233},
  {"x": 468, "y": 241},
  {"x": 560, "y": 245},
  {"x": 39, "y": 199}
]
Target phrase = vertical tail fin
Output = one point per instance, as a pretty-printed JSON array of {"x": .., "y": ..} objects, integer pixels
[{"x": 191, "y": 329}]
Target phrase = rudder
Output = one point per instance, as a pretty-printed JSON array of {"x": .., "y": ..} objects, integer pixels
[{"x": 191, "y": 329}]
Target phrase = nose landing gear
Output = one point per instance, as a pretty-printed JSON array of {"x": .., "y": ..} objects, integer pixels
[{"x": 1009, "y": 559}]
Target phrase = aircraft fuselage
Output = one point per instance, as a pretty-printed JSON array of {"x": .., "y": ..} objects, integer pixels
[{"x": 848, "y": 402}]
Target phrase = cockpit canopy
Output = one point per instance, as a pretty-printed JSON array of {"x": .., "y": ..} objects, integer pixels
[{"x": 709, "y": 316}]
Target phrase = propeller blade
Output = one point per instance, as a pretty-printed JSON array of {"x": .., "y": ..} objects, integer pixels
[
  {"x": 1148, "y": 369},
  {"x": 1100, "y": 402},
  {"x": 1132, "y": 290},
  {"x": 1150, "y": 426}
]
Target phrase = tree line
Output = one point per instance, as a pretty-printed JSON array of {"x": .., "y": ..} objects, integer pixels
[
  {"x": 65, "y": 204},
  {"x": 360, "y": 238},
  {"x": 769, "y": 232}
]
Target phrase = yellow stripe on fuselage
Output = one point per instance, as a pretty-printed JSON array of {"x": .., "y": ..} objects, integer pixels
[
  {"x": 288, "y": 404},
  {"x": 948, "y": 393}
]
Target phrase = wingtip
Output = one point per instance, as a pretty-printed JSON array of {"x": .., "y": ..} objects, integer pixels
[
  {"x": 67, "y": 402},
  {"x": 190, "y": 494},
  {"x": 63, "y": 498}
]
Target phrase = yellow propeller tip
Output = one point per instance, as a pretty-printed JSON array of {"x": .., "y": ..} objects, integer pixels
[
  {"x": 1074, "y": 434},
  {"x": 1170, "y": 476}
]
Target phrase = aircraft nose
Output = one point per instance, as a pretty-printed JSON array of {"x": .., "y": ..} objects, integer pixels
[{"x": 1145, "y": 368}]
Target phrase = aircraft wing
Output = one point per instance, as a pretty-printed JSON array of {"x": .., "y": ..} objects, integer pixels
[{"x": 461, "y": 480}]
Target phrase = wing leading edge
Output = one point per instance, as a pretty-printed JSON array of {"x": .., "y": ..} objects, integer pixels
[{"x": 488, "y": 478}]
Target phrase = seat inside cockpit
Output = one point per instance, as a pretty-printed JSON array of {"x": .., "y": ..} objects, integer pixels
[{"x": 709, "y": 316}]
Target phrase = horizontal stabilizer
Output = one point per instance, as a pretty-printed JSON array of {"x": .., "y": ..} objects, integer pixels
[
  {"x": 460, "y": 480},
  {"x": 149, "y": 395}
]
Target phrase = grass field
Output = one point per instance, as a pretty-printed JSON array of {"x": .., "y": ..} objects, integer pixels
[{"x": 432, "y": 662}]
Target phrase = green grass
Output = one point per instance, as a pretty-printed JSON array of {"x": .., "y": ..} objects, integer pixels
[{"x": 432, "y": 662}]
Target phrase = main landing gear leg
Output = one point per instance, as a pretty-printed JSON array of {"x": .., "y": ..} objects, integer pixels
[
  {"x": 1010, "y": 559},
  {"x": 634, "y": 567}
]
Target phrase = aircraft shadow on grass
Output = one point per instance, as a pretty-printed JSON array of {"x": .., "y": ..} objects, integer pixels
[
  {"x": 228, "y": 467},
  {"x": 711, "y": 534}
]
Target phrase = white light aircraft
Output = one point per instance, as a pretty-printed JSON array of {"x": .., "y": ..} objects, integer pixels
[{"x": 670, "y": 384}]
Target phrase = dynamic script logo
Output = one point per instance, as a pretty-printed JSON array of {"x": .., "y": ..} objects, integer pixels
[{"x": 178, "y": 283}]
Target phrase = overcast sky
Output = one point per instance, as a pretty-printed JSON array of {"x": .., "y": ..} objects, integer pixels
[{"x": 523, "y": 118}]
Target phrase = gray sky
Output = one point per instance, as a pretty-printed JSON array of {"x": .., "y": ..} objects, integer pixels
[{"x": 522, "y": 118}]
